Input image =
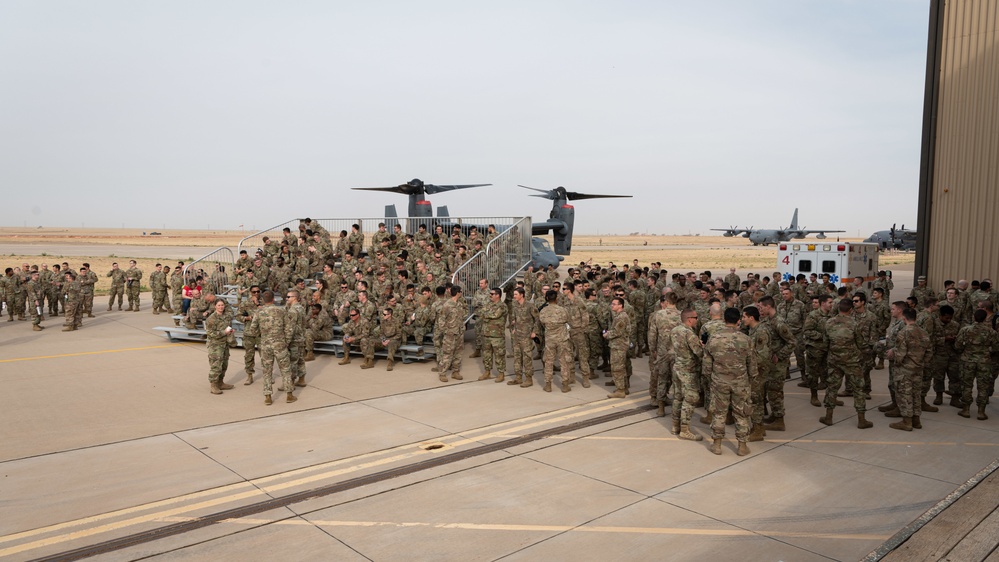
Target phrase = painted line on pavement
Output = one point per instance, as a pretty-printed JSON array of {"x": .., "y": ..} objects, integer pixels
[{"x": 87, "y": 353}]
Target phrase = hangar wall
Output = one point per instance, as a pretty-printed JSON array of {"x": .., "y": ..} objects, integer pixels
[{"x": 959, "y": 171}]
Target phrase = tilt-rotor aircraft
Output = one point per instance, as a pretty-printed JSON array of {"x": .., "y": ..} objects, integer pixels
[
  {"x": 417, "y": 191},
  {"x": 767, "y": 236},
  {"x": 560, "y": 223}
]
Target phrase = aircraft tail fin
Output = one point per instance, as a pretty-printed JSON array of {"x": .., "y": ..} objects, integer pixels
[
  {"x": 442, "y": 211},
  {"x": 391, "y": 217},
  {"x": 794, "y": 220}
]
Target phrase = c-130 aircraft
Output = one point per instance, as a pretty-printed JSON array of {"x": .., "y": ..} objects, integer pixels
[{"x": 765, "y": 237}]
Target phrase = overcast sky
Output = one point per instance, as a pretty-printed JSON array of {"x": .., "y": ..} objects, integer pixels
[{"x": 221, "y": 113}]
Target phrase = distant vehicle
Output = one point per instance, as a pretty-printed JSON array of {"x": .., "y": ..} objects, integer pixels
[
  {"x": 841, "y": 260},
  {"x": 894, "y": 239},
  {"x": 155, "y": 234},
  {"x": 765, "y": 237}
]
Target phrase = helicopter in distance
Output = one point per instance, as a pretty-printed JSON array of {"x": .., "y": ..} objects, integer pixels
[{"x": 767, "y": 236}]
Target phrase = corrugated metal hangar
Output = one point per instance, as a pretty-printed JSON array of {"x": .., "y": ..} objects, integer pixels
[{"x": 959, "y": 170}]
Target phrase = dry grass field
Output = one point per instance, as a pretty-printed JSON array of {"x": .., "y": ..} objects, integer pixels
[{"x": 677, "y": 253}]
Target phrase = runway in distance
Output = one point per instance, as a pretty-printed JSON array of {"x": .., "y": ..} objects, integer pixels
[{"x": 767, "y": 236}]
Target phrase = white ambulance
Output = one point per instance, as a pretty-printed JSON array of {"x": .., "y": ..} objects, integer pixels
[{"x": 841, "y": 260}]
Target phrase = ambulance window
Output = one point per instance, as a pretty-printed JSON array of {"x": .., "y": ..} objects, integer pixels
[
  {"x": 828, "y": 266},
  {"x": 804, "y": 266}
]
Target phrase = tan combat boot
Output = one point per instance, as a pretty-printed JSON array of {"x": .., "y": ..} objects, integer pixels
[
  {"x": 300, "y": 381},
  {"x": 442, "y": 378},
  {"x": 981, "y": 413},
  {"x": 566, "y": 387},
  {"x": 267, "y": 400},
  {"x": 716, "y": 446},
  {"x": 390, "y": 365},
  {"x": 828, "y": 419},
  {"x": 368, "y": 363},
  {"x": 36, "y": 328},
  {"x": 216, "y": 389},
  {"x": 939, "y": 399},
  {"x": 290, "y": 398},
  {"x": 156, "y": 310},
  {"x": 586, "y": 382},
  {"x": 310, "y": 356},
  {"x": 224, "y": 386},
  {"x": 888, "y": 407},
  {"x": 486, "y": 376},
  {"x": 619, "y": 393},
  {"x": 758, "y": 433},
  {"x": 249, "y": 380},
  {"x": 500, "y": 377},
  {"x": 880, "y": 365},
  {"x": 517, "y": 379},
  {"x": 476, "y": 353},
  {"x": 862, "y": 422},
  {"x": 708, "y": 418},
  {"x": 916, "y": 424},
  {"x": 687, "y": 435},
  {"x": 528, "y": 381},
  {"x": 814, "y": 401},
  {"x": 345, "y": 360},
  {"x": 68, "y": 328},
  {"x": 661, "y": 410},
  {"x": 905, "y": 424},
  {"x": 928, "y": 408},
  {"x": 743, "y": 449},
  {"x": 964, "y": 413},
  {"x": 777, "y": 425},
  {"x": 675, "y": 429},
  {"x": 896, "y": 413},
  {"x": 548, "y": 386}
]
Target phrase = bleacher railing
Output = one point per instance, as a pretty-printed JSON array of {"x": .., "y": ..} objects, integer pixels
[{"x": 208, "y": 266}]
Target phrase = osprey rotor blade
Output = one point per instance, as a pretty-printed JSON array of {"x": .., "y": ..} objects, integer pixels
[{"x": 432, "y": 189}]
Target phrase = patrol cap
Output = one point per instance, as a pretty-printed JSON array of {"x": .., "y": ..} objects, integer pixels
[
  {"x": 921, "y": 278},
  {"x": 882, "y": 273}
]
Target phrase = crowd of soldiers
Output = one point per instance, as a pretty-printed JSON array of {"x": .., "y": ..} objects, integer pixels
[{"x": 722, "y": 343}]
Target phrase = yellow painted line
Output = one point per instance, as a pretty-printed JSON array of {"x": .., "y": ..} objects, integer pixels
[
  {"x": 409, "y": 451},
  {"x": 730, "y": 532},
  {"x": 88, "y": 353}
]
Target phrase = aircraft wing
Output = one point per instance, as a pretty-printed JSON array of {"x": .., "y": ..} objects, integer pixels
[
  {"x": 801, "y": 233},
  {"x": 729, "y": 232}
]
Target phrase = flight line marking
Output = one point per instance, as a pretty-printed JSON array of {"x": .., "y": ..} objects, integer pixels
[
  {"x": 732, "y": 532},
  {"x": 88, "y": 353},
  {"x": 261, "y": 489}
]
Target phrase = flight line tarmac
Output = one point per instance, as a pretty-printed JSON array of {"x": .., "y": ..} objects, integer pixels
[{"x": 110, "y": 434}]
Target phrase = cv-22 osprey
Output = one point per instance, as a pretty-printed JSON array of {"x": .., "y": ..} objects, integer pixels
[{"x": 765, "y": 237}]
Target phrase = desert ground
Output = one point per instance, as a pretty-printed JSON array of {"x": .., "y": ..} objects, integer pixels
[{"x": 101, "y": 247}]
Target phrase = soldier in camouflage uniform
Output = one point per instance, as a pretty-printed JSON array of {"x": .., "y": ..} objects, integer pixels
[
  {"x": 218, "y": 329},
  {"x": 74, "y": 311},
  {"x": 910, "y": 354},
  {"x": 356, "y": 239},
  {"x": 813, "y": 334},
  {"x": 687, "y": 351},
  {"x": 554, "y": 318},
  {"x": 867, "y": 324},
  {"x": 891, "y": 334},
  {"x": 117, "y": 276},
  {"x": 884, "y": 283},
  {"x": 637, "y": 298},
  {"x": 54, "y": 290},
  {"x": 793, "y": 312},
  {"x": 759, "y": 335},
  {"x": 594, "y": 331},
  {"x": 878, "y": 306},
  {"x": 845, "y": 343},
  {"x": 271, "y": 323},
  {"x": 87, "y": 281},
  {"x": 618, "y": 336},
  {"x": 922, "y": 292},
  {"x": 356, "y": 331},
  {"x": 493, "y": 317},
  {"x": 133, "y": 280},
  {"x": 320, "y": 329},
  {"x": 975, "y": 343},
  {"x": 158, "y": 284},
  {"x": 524, "y": 326},
  {"x": 251, "y": 340},
  {"x": 479, "y": 300},
  {"x": 945, "y": 361},
  {"x": 452, "y": 325},
  {"x": 35, "y": 296},
  {"x": 387, "y": 336},
  {"x": 730, "y": 363},
  {"x": 579, "y": 325},
  {"x": 297, "y": 318},
  {"x": 782, "y": 344},
  {"x": 661, "y": 324}
]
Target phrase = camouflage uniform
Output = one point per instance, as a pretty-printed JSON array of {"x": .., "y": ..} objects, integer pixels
[
  {"x": 35, "y": 298},
  {"x": 320, "y": 329},
  {"x": 921, "y": 294},
  {"x": 390, "y": 330},
  {"x": 479, "y": 300},
  {"x": 661, "y": 351},
  {"x": 594, "y": 337},
  {"x": 687, "y": 352},
  {"x": 793, "y": 314},
  {"x": 55, "y": 293},
  {"x": 452, "y": 327},
  {"x": 158, "y": 283},
  {"x": 554, "y": 319},
  {"x": 132, "y": 287},
  {"x": 251, "y": 340},
  {"x": 117, "y": 286},
  {"x": 360, "y": 331},
  {"x": 523, "y": 322},
  {"x": 782, "y": 344},
  {"x": 74, "y": 308},
  {"x": 887, "y": 285},
  {"x": 944, "y": 362},
  {"x": 975, "y": 343},
  {"x": 730, "y": 363},
  {"x": 636, "y": 298},
  {"x": 912, "y": 351},
  {"x": 218, "y": 346},
  {"x": 760, "y": 337},
  {"x": 87, "y": 283},
  {"x": 619, "y": 341},
  {"x": 296, "y": 345},
  {"x": 813, "y": 335},
  {"x": 492, "y": 316},
  {"x": 271, "y": 323},
  {"x": 845, "y": 343},
  {"x": 196, "y": 312},
  {"x": 579, "y": 325}
]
